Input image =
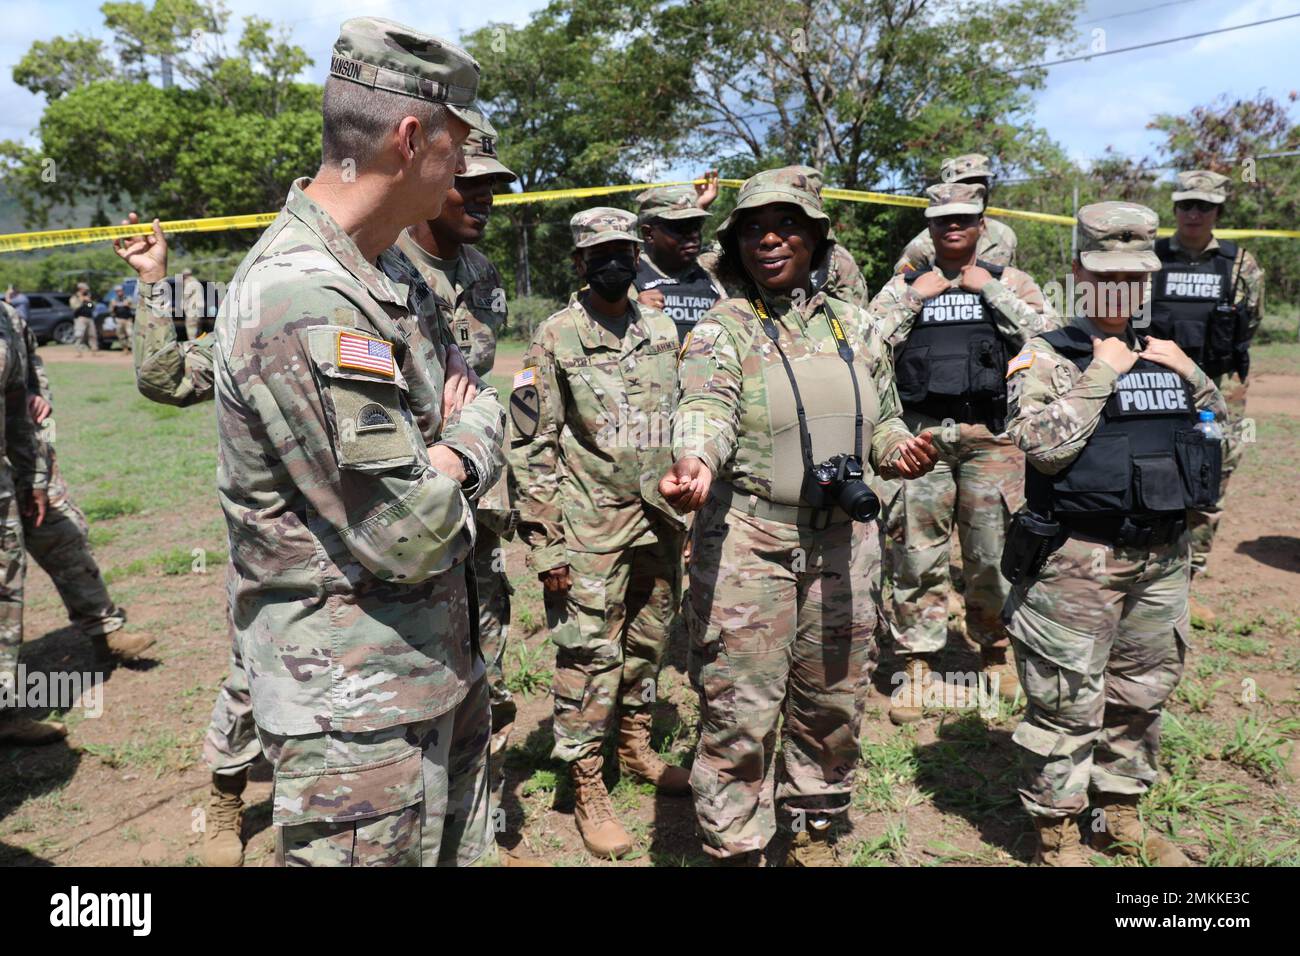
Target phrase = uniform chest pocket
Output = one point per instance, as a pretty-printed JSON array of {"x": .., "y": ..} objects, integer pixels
[
  {"x": 366, "y": 410},
  {"x": 598, "y": 392}
]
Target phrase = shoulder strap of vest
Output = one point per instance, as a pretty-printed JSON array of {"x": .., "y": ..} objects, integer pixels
[
  {"x": 1163, "y": 249},
  {"x": 911, "y": 275},
  {"x": 1228, "y": 249},
  {"x": 1070, "y": 341},
  {"x": 991, "y": 268}
]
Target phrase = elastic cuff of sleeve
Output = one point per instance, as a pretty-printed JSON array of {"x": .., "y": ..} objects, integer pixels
[
  {"x": 544, "y": 559},
  {"x": 710, "y": 460},
  {"x": 480, "y": 467}
]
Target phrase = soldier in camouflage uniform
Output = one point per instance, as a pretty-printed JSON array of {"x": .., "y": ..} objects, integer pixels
[
  {"x": 23, "y": 481},
  {"x": 997, "y": 241},
  {"x": 346, "y": 478},
  {"x": 1201, "y": 273},
  {"x": 1106, "y": 420},
  {"x": 61, "y": 542},
  {"x": 669, "y": 276},
  {"x": 180, "y": 373},
  {"x": 590, "y": 421},
  {"x": 784, "y": 590},
  {"x": 952, "y": 326},
  {"x": 470, "y": 290}
]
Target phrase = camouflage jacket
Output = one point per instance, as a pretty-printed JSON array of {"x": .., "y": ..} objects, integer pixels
[
  {"x": 730, "y": 370},
  {"x": 997, "y": 244},
  {"x": 1249, "y": 277},
  {"x": 38, "y": 383},
  {"x": 470, "y": 290},
  {"x": 591, "y": 419},
  {"x": 1053, "y": 408},
  {"x": 24, "y": 455},
  {"x": 167, "y": 371},
  {"x": 348, "y": 592}
]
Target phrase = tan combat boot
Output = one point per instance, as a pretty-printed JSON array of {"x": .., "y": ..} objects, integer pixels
[
  {"x": 997, "y": 662},
  {"x": 222, "y": 843},
  {"x": 636, "y": 756},
  {"x": 812, "y": 846},
  {"x": 906, "y": 699},
  {"x": 25, "y": 732},
  {"x": 600, "y": 830},
  {"x": 121, "y": 646},
  {"x": 1125, "y": 834},
  {"x": 1202, "y": 616},
  {"x": 1059, "y": 843}
]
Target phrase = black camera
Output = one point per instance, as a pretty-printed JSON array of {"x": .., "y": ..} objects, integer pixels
[{"x": 838, "y": 481}]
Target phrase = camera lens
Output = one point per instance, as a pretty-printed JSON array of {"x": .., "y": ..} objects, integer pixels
[{"x": 859, "y": 501}]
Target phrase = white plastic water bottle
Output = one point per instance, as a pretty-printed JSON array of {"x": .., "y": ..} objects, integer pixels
[{"x": 1208, "y": 427}]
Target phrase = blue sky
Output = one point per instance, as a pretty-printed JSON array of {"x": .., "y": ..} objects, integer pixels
[{"x": 1085, "y": 106}]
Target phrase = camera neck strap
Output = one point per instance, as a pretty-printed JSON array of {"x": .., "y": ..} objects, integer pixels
[{"x": 846, "y": 353}]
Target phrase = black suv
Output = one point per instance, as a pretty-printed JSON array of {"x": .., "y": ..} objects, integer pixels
[
  {"x": 212, "y": 294},
  {"x": 50, "y": 317}
]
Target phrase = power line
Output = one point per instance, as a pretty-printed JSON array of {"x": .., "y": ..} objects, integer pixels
[
  {"x": 1133, "y": 13},
  {"x": 1145, "y": 46}
]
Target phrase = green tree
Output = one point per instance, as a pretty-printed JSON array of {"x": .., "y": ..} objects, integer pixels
[{"x": 55, "y": 67}]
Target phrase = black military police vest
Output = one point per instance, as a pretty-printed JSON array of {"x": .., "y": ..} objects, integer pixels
[
  {"x": 1191, "y": 304},
  {"x": 1145, "y": 458},
  {"x": 686, "y": 297},
  {"x": 953, "y": 363}
]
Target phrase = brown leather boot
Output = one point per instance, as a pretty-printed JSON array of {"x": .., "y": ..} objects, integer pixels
[
  {"x": 997, "y": 662},
  {"x": 1059, "y": 843},
  {"x": 25, "y": 732},
  {"x": 812, "y": 846},
  {"x": 121, "y": 645},
  {"x": 906, "y": 699},
  {"x": 1202, "y": 616},
  {"x": 223, "y": 844},
  {"x": 636, "y": 756},
  {"x": 600, "y": 830},
  {"x": 1125, "y": 834}
]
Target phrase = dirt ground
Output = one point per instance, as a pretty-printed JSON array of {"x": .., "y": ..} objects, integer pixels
[{"x": 128, "y": 787}]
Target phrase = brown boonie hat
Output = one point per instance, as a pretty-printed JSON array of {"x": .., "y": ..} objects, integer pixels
[
  {"x": 669, "y": 202},
  {"x": 952, "y": 199},
  {"x": 1118, "y": 237},
  {"x": 481, "y": 158},
  {"x": 591, "y": 227},
  {"x": 1202, "y": 184},
  {"x": 384, "y": 55},
  {"x": 797, "y": 185},
  {"x": 956, "y": 169}
]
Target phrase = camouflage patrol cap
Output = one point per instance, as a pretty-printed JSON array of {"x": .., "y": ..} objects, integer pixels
[
  {"x": 668, "y": 202},
  {"x": 1118, "y": 237},
  {"x": 954, "y": 199},
  {"x": 957, "y": 169},
  {"x": 797, "y": 185},
  {"x": 1202, "y": 184},
  {"x": 591, "y": 227},
  {"x": 384, "y": 55},
  {"x": 481, "y": 158}
]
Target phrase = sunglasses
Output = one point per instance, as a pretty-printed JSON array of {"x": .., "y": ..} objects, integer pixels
[
  {"x": 678, "y": 227},
  {"x": 963, "y": 221},
  {"x": 1195, "y": 205}
]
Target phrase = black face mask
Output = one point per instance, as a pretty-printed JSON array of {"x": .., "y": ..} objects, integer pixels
[{"x": 610, "y": 276}]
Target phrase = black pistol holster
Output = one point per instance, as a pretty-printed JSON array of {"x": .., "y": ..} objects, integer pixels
[{"x": 1031, "y": 539}]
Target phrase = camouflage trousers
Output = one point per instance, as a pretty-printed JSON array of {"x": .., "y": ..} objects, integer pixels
[
  {"x": 781, "y": 622},
  {"x": 610, "y": 635},
  {"x": 61, "y": 546},
  {"x": 230, "y": 746},
  {"x": 13, "y": 566},
  {"x": 977, "y": 487},
  {"x": 410, "y": 795},
  {"x": 493, "y": 626},
  {"x": 85, "y": 334},
  {"x": 1204, "y": 524},
  {"x": 1100, "y": 637}
]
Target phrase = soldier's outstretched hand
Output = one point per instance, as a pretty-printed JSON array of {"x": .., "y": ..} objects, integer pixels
[
  {"x": 146, "y": 254},
  {"x": 1167, "y": 353},
  {"x": 686, "y": 484},
  {"x": 918, "y": 456}
]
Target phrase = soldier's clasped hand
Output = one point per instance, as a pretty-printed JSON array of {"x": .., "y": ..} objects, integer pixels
[
  {"x": 1115, "y": 352},
  {"x": 686, "y": 485}
]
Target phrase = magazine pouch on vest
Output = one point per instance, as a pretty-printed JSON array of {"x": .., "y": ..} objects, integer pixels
[
  {"x": 953, "y": 363},
  {"x": 1145, "y": 459},
  {"x": 1192, "y": 303}
]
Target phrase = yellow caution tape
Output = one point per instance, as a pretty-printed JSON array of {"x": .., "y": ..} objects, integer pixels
[{"x": 22, "y": 241}]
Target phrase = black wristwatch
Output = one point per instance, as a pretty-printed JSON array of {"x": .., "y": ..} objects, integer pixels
[{"x": 470, "y": 484}]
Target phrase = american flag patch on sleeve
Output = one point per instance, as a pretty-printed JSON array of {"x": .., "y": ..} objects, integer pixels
[
  {"x": 1020, "y": 362},
  {"x": 524, "y": 378},
  {"x": 365, "y": 354}
]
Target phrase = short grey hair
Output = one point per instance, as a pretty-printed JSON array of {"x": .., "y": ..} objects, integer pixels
[{"x": 356, "y": 119}]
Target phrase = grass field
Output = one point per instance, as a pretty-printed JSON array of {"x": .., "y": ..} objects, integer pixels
[{"x": 127, "y": 787}]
